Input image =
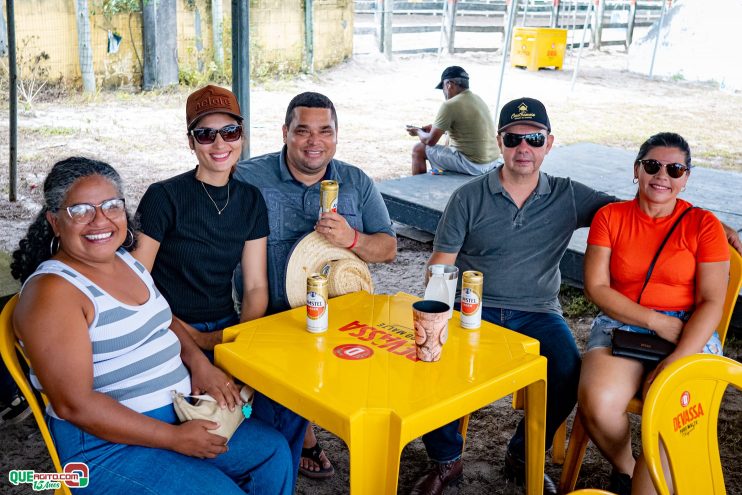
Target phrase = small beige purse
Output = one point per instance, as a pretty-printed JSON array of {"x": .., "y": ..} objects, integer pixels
[{"x": 206, "y": 407}]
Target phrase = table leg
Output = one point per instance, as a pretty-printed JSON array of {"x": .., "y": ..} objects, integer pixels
[
  {"x": 535, "y": 436},
  {"x": 375, "y": 450}
]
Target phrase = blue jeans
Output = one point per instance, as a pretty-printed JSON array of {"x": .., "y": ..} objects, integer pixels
[
  {"x": 601, "y": 332},
  {"x": 288, "y": 423},
  {"x": 563, "y": 373},
  {"x": 258, "y": 461},
  {"x": 213, "y": 326}
]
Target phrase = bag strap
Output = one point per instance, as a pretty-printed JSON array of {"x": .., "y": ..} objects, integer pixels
[{"x": 659, "y": 250}]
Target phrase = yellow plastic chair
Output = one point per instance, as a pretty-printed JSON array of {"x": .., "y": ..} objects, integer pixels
[
  {"x": 578, "y": 439},
  {"x": 9, "y": 350},
  {"x": 682, "y": 409}
]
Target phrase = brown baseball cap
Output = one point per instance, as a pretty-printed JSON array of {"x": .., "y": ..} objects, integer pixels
[{"x": 211, "y": 99}]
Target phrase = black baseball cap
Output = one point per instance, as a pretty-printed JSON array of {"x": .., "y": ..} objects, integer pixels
[
  {"x": 452, "y": 73},
  {"x": 524, "y": 111}
]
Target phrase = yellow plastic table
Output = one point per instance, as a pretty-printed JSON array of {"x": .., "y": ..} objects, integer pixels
[{"x": 361, "y": 380}]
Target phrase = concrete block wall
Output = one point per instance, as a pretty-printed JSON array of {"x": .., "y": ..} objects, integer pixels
[
  {"x": 277, "y": 37},
  {"x": 333, "y": 32}
]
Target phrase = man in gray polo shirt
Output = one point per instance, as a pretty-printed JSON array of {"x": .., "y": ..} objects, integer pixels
[
  {"x": 289, "y": 181},
  {"x": 514, "y": 225}
]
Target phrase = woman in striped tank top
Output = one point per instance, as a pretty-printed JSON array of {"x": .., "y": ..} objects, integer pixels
[{"x": 96, "y": 330}]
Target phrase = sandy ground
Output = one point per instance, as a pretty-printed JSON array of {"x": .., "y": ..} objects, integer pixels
[{"x": 143, "y": 136}]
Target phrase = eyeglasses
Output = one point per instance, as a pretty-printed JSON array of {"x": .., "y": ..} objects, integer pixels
[
  {"x": 534, "y": 139},
  {"x": 674, "y": 170},
  {"x": 84, "y": 213},
  {"x": 207, "y": 135}
]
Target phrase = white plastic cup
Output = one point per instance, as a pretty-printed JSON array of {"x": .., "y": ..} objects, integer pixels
[{"x": 451, "y": 276}]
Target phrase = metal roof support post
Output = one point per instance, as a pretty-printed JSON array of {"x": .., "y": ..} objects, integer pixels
[
  {"x": 657, "y": 41},
  {"x": 451, "y": 27},
  {"x": 387, "y": 14},
  {"x": 309, "y": 35},
  {"x": 554, "y": 21},
  {"x": 582, "y": 45},
  {"x": 598, "y": 28},
  {"x": 513, "y": 4},
  {"x": 13, "y": 83},
  {"x": 241, "y": 65},
  {"x": 630, "y": 23},
  {"x": 379, "y": 24},
  {"x": 216, "y": 31}
]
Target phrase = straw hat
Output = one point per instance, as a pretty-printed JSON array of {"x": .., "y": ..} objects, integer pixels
[{"x": 345, "y": 271}]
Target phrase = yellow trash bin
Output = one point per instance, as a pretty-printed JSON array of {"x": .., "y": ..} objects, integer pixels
[{"x": 537, "y": 48}]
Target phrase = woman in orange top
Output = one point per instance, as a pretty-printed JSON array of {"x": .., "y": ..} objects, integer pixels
[{"x": 682, "y": 301}]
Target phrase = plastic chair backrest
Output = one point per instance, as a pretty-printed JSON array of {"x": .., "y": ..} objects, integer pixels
[
  {"x": 9, "y": 350},
  {"x": 733, "y": 287},
  {"x": 682, "y": 410}
]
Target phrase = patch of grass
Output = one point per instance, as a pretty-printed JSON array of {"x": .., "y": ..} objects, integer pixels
[
  {"x": 575, "y": 304},
  {"x": 47, "y": 131}
]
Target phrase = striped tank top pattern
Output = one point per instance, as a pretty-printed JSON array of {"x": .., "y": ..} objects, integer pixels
[{"x": 136, "y": 357}]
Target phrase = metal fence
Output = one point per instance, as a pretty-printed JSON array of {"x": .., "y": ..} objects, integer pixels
[{"x": 610, "y": 22}]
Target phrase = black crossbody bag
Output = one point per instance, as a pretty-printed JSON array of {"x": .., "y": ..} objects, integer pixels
[{"x": 648, "y": 348}]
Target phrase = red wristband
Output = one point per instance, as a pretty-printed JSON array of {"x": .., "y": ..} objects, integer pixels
[{"x": 355, "y": 239}]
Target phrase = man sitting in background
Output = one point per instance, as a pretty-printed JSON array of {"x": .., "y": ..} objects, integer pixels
[{"x": 472, "y": 148}]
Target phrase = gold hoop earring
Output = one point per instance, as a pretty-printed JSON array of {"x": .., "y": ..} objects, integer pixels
[{"x": 52, "y": 248}]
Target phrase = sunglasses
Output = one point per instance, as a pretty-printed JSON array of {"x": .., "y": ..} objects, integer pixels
[
  {"x": 85, "y": 212},
  {"x": 674, "y": 170},
  {"x": 534, "y": 139},
  {"x": 207, "y": 135}
]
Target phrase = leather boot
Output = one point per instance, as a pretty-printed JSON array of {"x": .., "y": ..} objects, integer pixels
[
  {"x": 438, "y": 478},
  {"x": 515, "y": 469}
]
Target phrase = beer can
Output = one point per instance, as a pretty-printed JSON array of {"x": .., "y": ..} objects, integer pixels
[
  {"x": 471, "y": 299},
  {"x": 328, "y": 196},
  {"x": 317, "y": 310}
]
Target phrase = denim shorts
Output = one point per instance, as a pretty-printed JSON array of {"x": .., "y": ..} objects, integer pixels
[{"x": 603, "y": 326}]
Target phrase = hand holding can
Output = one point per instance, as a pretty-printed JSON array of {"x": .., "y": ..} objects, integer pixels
[{"x": 328, "y": 196}]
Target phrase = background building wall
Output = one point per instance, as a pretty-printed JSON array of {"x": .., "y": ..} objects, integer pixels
[
  {"x": 333, "y": 32},
  {"x": 277, "y": 35}
]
